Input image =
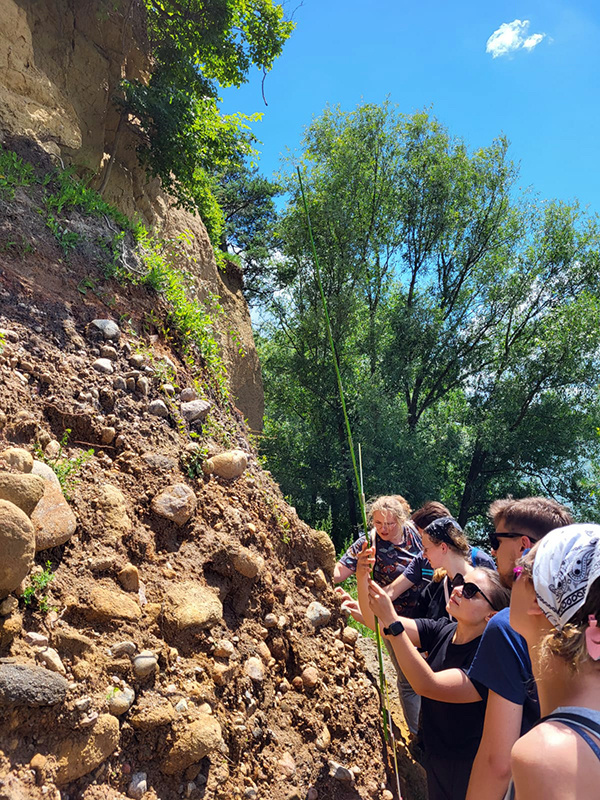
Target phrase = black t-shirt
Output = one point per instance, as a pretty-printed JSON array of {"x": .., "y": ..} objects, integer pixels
[
  {"x": 432, "y": 601},
  {"x": 450, "y": 729}
]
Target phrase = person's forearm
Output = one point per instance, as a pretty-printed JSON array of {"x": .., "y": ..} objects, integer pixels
[
  {"x": 449, "y": 686},
  {"x": 340, "y": 572},
  {"x": 490, "y": 776},
  {"x": 491, "y": 772},
  {"x": 398, "y": 587}
]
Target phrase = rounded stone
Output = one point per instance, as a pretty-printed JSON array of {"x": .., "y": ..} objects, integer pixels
[
  {"x": 350, "y": 635},
  {"x": 18, "y": 458},
  {"x": 254, "y": 669},
  {"x": 228, "y": 465},
  {"x": 23, "y": 490},
  {"x": 53, "y": 520},
  {"x": 191, "y": 605},
  {"x": 176, "y": 503},
  {"x": 17, "y": 546},
  {"x": 317, "y": 614},
  {"x": 25, "y": 685},
  {"x": 120, "y": 702},
  {"x": 158, "y": 409},
  {"x": 45, "y": 471},
  {"x": 104, "y": 366},
  {"x": 129, "y": 578},
  {"x": 145, "y": 664},
  {"x": 81, "y": 754},
  {"x": 194, "y": 742},
  {"x": 195, "y": 410},
  {"x": 110, "y": 329},
  {"x": 310, "y": 677}
]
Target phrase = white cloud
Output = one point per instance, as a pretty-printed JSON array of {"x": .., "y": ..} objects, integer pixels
[{"x": 512, "y": 36}]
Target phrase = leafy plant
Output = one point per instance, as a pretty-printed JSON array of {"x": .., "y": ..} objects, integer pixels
[
  {"x": 14, "y": 172},
  {"x": 65, "y": 469},
  {"x": 38, "y": 583},
  {"x": 67, "y": 239}
]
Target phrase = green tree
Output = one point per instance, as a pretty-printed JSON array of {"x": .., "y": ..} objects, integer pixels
[
  {"x": 250, "y": 213},
  {"x": 197, "y": 46},
  {"x": 464, "y": 317}
]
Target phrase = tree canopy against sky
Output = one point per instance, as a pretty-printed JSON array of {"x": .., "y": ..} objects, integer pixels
[
  {"x": 464, "y": 317},
  {"x": 196, "y": 47}
]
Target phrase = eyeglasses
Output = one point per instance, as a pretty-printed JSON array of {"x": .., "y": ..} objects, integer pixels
[
  {"x": 495, "y": 538},
  {"x": 469, "y": 590}
]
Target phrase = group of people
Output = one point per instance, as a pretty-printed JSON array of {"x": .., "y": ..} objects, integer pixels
[{"x": 498, "y": 662}]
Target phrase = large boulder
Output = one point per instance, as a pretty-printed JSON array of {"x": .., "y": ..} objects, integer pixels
[{"x": 17, "y": 546}]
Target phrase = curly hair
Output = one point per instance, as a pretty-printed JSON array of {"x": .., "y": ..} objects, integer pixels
[{"x": 389, "y": 504}]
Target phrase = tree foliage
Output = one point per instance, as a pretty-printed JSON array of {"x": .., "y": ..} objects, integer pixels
[
  {"x": 464, "y": 316},
  {"x": 197, "y": 46},
  {"x": 250, "y": 214}
]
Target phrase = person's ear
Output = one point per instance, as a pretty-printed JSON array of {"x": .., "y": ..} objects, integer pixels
[
  {"x": 534, "y": 609},
  {"x": 490, "y": 615}
]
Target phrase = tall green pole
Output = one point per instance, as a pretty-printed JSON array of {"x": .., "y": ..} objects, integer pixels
[{"x": 348, "y": 430}]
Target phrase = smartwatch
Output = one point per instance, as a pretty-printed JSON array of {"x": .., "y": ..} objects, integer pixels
[{"x": 395, "y": 629}]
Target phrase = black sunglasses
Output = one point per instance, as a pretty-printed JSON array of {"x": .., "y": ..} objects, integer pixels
[
  {"x": 495, "y": 538},
  {"x": 469, "y": 590}
]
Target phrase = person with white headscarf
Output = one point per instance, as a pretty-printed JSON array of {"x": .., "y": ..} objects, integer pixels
[{"x": 555, "y": 606}]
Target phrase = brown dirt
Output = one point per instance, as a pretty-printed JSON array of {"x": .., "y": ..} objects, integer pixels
[{"x": 48, "y": 385}]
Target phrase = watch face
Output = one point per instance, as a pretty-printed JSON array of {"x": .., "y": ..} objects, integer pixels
[{"x": 396, "y": 628}]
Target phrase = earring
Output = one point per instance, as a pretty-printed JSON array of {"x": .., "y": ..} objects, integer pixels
[{"x": 592, "y": 638}]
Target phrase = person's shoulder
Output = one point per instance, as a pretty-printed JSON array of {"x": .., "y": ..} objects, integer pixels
[
  {"x": 499, "y": 625},
  {"x": 545, "y": 757}
]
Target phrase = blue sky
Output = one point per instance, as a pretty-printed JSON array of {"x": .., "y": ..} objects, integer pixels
[{"x": 539, "y": 84}]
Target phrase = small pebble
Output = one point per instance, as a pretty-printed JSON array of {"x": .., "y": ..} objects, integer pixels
[
  {"x": 145, "y": 663},
  {"x": 138, "y": 786}
]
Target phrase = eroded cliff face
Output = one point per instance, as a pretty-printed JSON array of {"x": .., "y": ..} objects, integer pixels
[{"x": 61, "y": 62}]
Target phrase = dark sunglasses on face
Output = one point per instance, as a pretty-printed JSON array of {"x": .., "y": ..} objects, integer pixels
[
  {"x": 495, "y": 538},
  {"x": 469, "y": 590}
]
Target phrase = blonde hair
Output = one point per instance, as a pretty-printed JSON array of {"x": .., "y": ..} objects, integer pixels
[
  {"x": 389, "y": 504},
  {"x": 569, "y": 643}
]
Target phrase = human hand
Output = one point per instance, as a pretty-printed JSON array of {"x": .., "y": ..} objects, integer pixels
[
  {"x": 381, "y": 605},
  {"x": 365, "y": 561}
]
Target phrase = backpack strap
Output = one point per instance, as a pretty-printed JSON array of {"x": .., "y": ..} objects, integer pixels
[{"x": 474, "y": 551}]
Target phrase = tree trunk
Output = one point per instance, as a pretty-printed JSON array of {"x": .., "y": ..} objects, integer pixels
[{"x": 477, "y": 461}]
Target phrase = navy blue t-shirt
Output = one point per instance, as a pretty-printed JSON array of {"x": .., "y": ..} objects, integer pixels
[{"x": 502, "y": 664}]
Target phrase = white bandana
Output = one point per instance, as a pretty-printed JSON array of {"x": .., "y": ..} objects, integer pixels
[{"x": 567, "y": 562}]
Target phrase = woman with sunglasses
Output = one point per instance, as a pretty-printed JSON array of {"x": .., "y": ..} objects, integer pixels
[
  {"x": 451, "y": 731},
  {"x": 555, "y": 606},
  {"x": 445, "y": 542}
]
